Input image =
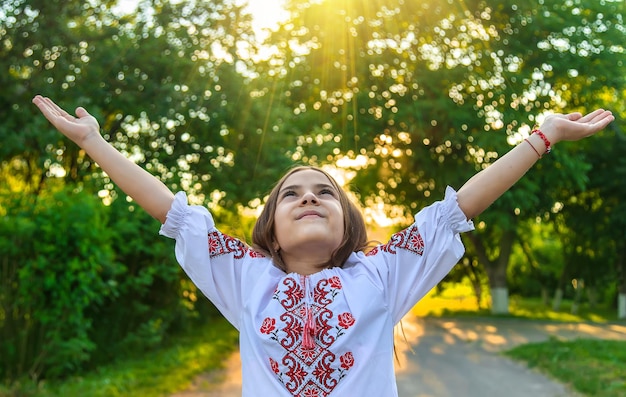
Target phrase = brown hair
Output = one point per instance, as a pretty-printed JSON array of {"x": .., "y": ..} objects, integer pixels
[{"x": 354, "y": 230}]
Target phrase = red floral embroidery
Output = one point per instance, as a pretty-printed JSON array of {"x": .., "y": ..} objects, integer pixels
[
  {"x": 308, "y": 355},
  {"x": 311, "y": 392},
  {"x": 373, "y": 251},
  {"x": 255, "y": 254},
  {"x": 347, "y": 360},
  {"x": 321, "y": 295},
  {"x": 274, "y": 366},
  {"x": 293, "y": 295},
  {"x": 309, "y": 371},
  {"x": 221, "y": 244},
  {"x": 346, "y": 320},
  {"x": 409, "y": 239},
  {"x": 334, "y": 282},
  {"x": 268, "y": 325},
  {"x": 293, "y": 331},
  {"x": 296, "y": 375}
]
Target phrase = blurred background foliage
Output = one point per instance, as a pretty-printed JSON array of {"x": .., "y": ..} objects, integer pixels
[{"x": 398, "y": 98}]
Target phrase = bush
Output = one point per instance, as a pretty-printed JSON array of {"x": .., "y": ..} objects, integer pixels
[
  {"x": 57, "y": 262},
  {"x": 83, "y": 284},
  {"x": 148, "y": 301}
]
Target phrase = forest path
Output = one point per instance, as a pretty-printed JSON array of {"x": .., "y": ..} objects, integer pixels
[{"x": 444, "y": 357}]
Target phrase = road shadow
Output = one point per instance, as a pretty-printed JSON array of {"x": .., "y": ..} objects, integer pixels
[
  {"x": 441, "y": 357},
  {"x": 446, "y": 357}
]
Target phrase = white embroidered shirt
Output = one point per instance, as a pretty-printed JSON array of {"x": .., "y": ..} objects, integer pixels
[{"x": 329, "y": 333}]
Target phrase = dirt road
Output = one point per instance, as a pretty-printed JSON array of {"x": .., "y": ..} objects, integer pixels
[{"x": 452, "y": 357}]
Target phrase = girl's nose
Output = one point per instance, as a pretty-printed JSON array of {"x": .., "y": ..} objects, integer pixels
[{"x": 309, "y": 198}]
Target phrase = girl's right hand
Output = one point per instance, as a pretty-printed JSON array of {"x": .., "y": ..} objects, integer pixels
[
  {"x": 149, "y": 192},
  {"x": 78, "y": 129}
]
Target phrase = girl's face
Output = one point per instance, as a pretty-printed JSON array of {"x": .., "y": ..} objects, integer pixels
[{"x": 308, "y": 218}]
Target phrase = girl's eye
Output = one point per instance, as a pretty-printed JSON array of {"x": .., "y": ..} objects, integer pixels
[
  {"x": 289, "y": 193},
  {"x": 327, "y": 191}
]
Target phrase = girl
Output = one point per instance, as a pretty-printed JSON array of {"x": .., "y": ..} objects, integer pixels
[{"x": 315, "y": 313}]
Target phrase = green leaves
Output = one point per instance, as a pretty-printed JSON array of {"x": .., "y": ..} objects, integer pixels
[
  {"x": 424, "y": 94},
  {"x": 56, "y": 270}
]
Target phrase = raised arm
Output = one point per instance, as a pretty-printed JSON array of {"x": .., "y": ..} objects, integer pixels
[
  {"x": 150, "y": 193},
  {"x": 485, "y": 187}
]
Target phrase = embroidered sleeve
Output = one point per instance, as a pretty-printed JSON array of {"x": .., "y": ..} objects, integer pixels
[
  {"x": 212, "y": 260},
  {"x": 417, "y": 258}
]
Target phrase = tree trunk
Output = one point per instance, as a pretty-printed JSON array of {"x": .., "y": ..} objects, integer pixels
[
  {"x": 558, "y": 293},
  {"x": 558, "y": 299},
  {"x": 496, "y": 271},
  {"x": 499, "y": 300},
  {"x": 499, "y": 288},
  {"x": 621, "y": 289},
  {"x": 478, "y": 293},
  {"x": 592, "y": 295},
  {"x": 545, "y": 295},
  {"x": 579, "y": 285},
  {"x": 474, "y": 276}
]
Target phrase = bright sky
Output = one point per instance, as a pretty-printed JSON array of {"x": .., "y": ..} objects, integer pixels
[{"x": 265, "y": 13}]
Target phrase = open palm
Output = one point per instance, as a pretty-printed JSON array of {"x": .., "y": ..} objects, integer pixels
[
  {"x": 575, "y": 126},
  {"x": 78, "y": 128}
]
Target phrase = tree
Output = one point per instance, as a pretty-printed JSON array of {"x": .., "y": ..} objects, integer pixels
[
  {"x": 168, "y": 84},
  {"x": 50, "y": 280},
  {"x": 609, "y": 169},
  {"x": 430, "y": 93}
]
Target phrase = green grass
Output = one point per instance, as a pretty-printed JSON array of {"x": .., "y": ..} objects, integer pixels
[
  {"x": 157, "y": 374},
  {"x": 591, "y": 367},
  {"x": 458, "y": 301}
]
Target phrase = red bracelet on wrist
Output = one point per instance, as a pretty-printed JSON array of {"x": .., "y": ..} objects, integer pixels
[
  {"x": 544, "y": 139},
  {"x": 532, "y": 146}
]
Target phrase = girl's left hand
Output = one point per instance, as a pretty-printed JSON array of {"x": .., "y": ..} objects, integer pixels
[{"x": 575, "y": 126}]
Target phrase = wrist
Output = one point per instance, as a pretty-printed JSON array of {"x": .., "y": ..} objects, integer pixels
[
  {"x": 545, "y": 141},
  {"x": 91, "y": 141}
]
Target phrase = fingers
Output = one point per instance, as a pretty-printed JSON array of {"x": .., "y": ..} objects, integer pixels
[
  {"x": 590, "y": 118},
  {"x": 596, "y": 121},
  {"x": 595, "y": 116},
  {"x": 54, "y": 113},
  {"x": 604, "y": 119},
  {"x": 574, "y": 116},
  {"x": 58, "y": 110},
  {"x": 48, "y": 107},
  {"x": 81, "y": 112},
  {"x": 40, "y": 102},
  {"x": 58, "y": 117}
]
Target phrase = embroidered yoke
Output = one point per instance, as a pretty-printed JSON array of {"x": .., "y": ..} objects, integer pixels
[{"x": 329, "y": 333}]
